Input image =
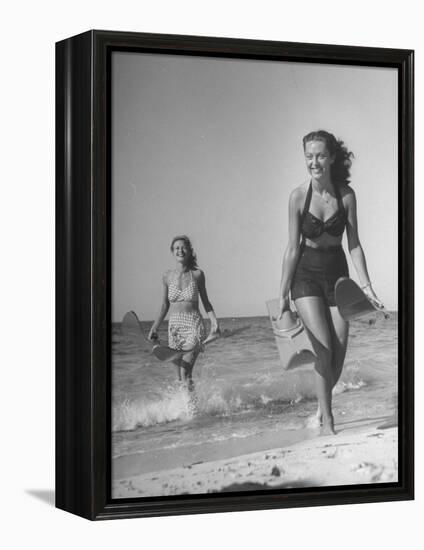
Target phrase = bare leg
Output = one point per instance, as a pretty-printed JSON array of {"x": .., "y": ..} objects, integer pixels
[
  {"x": 187, "y": 364},
  {"x": 340, "y": 334},
  {"x": 178, "y": 369},
  {"x": 184, "y": 367},
  {"x": 314, "y": 315},
  {"x": 339, "y": 329}
]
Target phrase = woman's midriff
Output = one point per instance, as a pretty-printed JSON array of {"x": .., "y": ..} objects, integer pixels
[
  {"x": 326, "y": 242},
  {"x": 183, "y": 307}
]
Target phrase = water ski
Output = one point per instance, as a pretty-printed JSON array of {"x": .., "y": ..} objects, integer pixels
[
  {"x": 294, "y": 346},
  {"x": 164, "y": 353},
  {"x": 132, "y": 329},
  {"x": 352, "y": 302}
]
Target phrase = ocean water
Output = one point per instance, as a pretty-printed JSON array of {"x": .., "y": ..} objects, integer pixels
[{"x": 244, "y": 401}]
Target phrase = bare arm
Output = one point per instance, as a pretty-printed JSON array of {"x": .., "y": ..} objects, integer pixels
[
  {"x": 201, "y": 283},
  {"x": 291, "y": 253},
  {"x": 163, "y": 310},
  {"x": 355, "y": 248}
]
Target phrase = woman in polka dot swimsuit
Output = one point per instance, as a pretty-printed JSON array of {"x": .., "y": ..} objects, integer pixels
[{"x": 182, "y": 287}]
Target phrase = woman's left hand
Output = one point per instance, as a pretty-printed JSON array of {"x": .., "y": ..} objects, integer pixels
[
  {"x": 214, "y": 334},
  {"x": 153, "y": 335},
  {"x": 215, "y": 330},
  {"x": 372, "y": 297}
]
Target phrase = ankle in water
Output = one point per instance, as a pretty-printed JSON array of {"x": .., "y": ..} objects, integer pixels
[{"x": 327, "y": 427}]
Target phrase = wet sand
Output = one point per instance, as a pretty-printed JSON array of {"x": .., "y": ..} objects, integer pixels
[{"x": 363, "y": 451}]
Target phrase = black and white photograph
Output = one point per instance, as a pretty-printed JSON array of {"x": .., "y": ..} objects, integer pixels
[
  {"x": 210, "y": 317},
  {"x": 254, "y": 275}
]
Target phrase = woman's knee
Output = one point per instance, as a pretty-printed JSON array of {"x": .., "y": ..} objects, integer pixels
[{"x": 187, "y": 359}]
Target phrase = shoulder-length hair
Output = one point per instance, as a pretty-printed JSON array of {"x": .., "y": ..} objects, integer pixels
[
  {"x": 340, "y": 169},
  {"x": 192, "y": 261}
]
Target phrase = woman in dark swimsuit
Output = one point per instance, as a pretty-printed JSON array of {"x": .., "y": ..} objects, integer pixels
[
  {"x": 319, "y": 212},
  {"x": 182, "y": 287}
]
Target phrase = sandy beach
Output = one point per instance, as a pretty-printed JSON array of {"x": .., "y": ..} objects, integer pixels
[
  {"x": 361, "y": 452},
  {"x": 249, "y": 427}
]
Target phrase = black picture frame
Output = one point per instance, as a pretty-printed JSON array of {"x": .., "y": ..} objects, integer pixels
[{"x": 83, "y": 235}]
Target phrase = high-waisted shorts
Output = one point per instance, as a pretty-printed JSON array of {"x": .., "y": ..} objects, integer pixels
[
  {"x": 185, "y": 330},
  {"x": 317, "y": 272}
]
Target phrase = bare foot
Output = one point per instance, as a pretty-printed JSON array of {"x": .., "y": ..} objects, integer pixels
[
  {"x": 315, "y": 421},
  {"x": 328, "y": 427},
  {"x": 327, "y": 430}
]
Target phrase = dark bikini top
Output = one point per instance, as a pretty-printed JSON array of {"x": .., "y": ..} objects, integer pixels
[{"x": 312, "y": 227}]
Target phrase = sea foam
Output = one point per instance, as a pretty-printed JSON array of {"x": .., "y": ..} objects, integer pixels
[{"x": 174, "y": 404}]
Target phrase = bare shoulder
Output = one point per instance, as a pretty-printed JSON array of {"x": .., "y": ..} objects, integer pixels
[
  {"x": 198, "y": 274},
  {"x": 167, "y": 276},
  {"x": 298, "y": 195},
  {"x": 347, "y": 194}
]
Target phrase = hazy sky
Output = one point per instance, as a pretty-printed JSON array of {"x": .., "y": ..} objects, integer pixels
[{"x": 212, "y": 148}]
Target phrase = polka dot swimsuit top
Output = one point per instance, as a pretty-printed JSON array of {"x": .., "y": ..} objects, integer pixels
[{"x": 190, "y": 293}]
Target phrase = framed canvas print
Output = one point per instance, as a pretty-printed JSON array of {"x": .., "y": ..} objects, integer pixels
[{"x": 234, "y": 274}]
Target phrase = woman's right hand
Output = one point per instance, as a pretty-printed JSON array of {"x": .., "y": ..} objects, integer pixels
[
  {"x": 153, "y": 335},
  {"x": 283, "y": 306}
]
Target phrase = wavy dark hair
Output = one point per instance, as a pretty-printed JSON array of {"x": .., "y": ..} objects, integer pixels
[
  {"x": 340, "y": 169},
  {"x": 192, "y": 261}
]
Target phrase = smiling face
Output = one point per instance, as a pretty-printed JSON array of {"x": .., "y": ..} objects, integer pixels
[
  {"x": 318, "y": 160},
  {"x": 181, "y": 251}
]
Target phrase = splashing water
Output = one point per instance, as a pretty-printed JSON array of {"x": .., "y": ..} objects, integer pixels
[
  {"x": 175, "y": 404},
  {"x": 240, "y": 388}
]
